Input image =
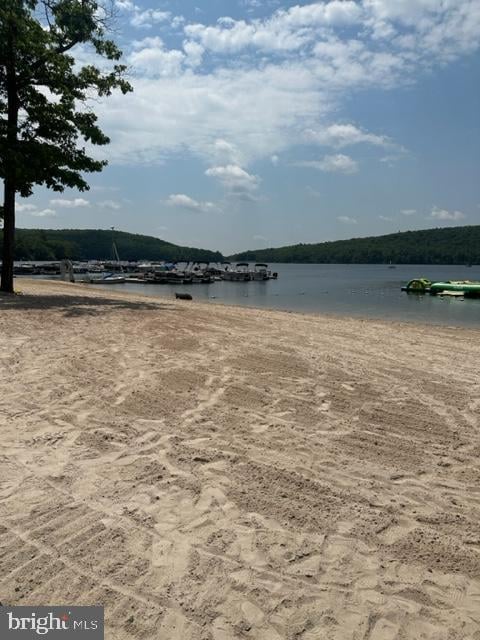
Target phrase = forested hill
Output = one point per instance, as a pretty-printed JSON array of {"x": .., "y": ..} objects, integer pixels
[
  {"x": 452, "y": 245},
  {"x": 89, "y": 244}
]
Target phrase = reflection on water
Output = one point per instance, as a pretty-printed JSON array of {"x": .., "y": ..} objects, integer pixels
[{"x": 363, "y": 290}]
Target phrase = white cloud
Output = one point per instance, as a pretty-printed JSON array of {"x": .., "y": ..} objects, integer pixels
[
  {"x": 385, "y": 218},
  {"x": 146, "y": 19},
  {"x": 344, "y": 135},
  {"x": 151, "y": 57},
  {"x": 225, "y": 152},
  {"x": 125, "y": 5},
  {"x": 70, "y": 204},
  {"x": 408, "y": 212},
  {"x": 313, "y": 57},
  {"x": 286, "y": 30},
  {"x": 33, "y": 210},
  {"x": 338, "y": 163},
  {"x": 391, "y": 160},
  {"x": 177, "y": 21},
  {"x": 110, "y": 204},
  {"x": 43, "y": 213},
  {"x": 142, "y": 18},
  {"x": 235, "y": 179},
  {"x": 193, "y": 53},
  {"x": 443, "y": 214},
  {"x": 149, "y": 17},
  {"x": 444, "y": 29},
  {"x": 186, "y": 202},
  {"x": 21, "y": 207},
  {"x": 169, "y": 114},
  {"x": 338, "y": 13},
  {"x": 346, "y": 220}
]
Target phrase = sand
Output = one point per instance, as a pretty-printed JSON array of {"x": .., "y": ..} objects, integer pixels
[{"x": 210, "y": 472}]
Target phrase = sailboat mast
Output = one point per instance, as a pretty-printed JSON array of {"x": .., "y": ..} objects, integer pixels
[{"x": 114, "y": 246}]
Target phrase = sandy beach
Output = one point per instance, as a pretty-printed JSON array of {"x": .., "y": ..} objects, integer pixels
[{"x": 211, "y": 473}]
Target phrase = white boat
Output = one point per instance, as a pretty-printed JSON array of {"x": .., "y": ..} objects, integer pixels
[
  {"x": 261, "y": 272},
  {"x": 108, "y": 278},
  {"x": 239, "y": 273}
]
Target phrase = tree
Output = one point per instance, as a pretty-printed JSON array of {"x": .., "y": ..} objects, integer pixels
[{"x": 44, "y": 100}]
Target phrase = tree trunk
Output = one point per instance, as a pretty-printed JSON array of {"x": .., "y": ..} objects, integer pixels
[
  {"x": 9, "y": 182},
  {"x": 8, "y": 237}
]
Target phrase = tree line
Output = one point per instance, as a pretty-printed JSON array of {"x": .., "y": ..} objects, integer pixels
[
  {"x": 451, "y": 245},
  {"x": 90, "y": 244}
]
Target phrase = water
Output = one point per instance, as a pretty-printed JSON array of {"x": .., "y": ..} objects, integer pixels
[{"x": 372, "y": 291}]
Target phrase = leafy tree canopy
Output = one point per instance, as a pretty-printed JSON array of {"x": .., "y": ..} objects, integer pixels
[
  {"x": 450, "y": 245},
  {"x": 45, "y": 114},
  {"x": 96, "y": 244}
]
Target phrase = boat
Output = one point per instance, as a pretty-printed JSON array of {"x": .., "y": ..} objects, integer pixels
[
  {"x": 108, "y": 278},
  {"x": 156, "y": 277},
  {"x": 260, "y": 272},
  {"x": 203, "y": 278},
  {"x": 239, "y": 273},
  {"x": 24, "y": 269},
  {"x": 135, "y": 279}
]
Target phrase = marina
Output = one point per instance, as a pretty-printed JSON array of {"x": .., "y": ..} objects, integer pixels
[{"x": 103, "y": 272}]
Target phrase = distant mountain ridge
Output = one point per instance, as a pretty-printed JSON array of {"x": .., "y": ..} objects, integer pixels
[
  {"x": 448, "y": 245},
  {"x": 96, "y": 244}
]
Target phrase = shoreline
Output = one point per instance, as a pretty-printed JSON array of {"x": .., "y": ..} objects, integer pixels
[
  {"x": 226, "y": 305},
  {"x": 213, "y": 472}
]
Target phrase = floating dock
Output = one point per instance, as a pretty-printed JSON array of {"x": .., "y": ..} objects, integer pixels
[{"x": 467, "y": 288}]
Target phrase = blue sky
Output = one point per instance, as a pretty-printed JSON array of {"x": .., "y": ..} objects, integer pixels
[{"x": 261, "y": 123}]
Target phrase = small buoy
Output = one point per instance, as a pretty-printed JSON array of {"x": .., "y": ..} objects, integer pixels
[{"x": 183, "y": 296}]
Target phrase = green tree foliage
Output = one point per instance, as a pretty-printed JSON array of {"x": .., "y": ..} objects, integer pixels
[
  {"x": 45, "y": 116},
  {"x": 80, "y": 244},
  {"x": 452, "y": 245}
]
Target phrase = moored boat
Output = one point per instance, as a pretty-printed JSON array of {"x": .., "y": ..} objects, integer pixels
[
  {"x": 108, "y": 278},
  {"x": 260, "y": 272},
  {"x": 239, "y": 273}
]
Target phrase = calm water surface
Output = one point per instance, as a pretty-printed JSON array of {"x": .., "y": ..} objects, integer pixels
[{"x": 356, "y": 290}]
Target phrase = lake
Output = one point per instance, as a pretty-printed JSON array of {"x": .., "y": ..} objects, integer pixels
[{"x": 372, "y": 291}]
